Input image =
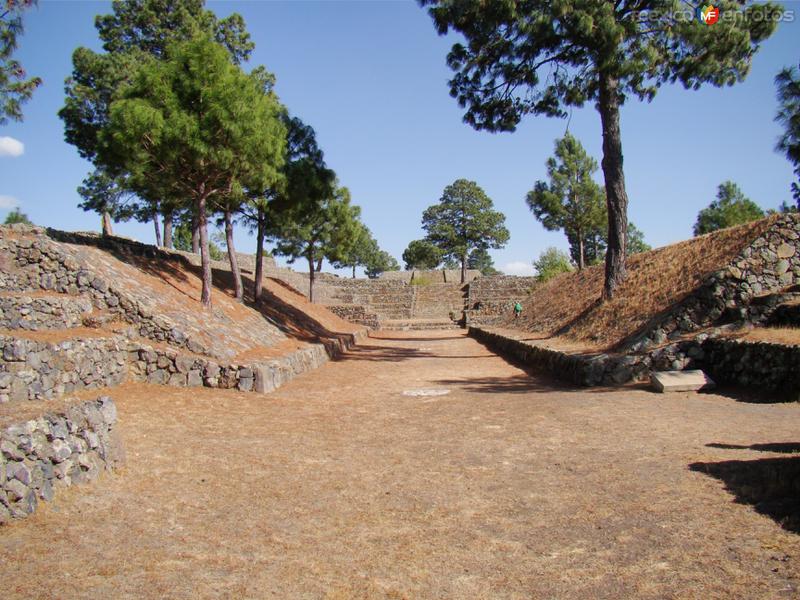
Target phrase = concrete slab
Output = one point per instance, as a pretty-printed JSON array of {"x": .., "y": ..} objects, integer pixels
[{"x": 680, "y": 381}]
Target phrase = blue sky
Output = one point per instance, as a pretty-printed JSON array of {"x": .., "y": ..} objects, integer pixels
[{"x": 371, "y": 78}]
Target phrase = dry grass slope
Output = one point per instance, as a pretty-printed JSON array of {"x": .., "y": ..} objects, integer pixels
[{"x": 568, "y": 305}]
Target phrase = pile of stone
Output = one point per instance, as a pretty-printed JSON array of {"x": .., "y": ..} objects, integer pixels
[{"x": 56, "y": 450}]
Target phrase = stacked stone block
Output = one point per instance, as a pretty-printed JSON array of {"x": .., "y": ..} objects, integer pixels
[{"x": 56, "y": 450}]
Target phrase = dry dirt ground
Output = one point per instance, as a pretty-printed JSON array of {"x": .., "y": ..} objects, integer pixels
[{"x": 340, "y": 486}]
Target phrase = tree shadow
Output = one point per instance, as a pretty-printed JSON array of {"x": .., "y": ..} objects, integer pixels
[
  {"x": 784, "y": 447},
  {"x": 383, "y": 354},
  {"x": 752, "y": 395},
  {"x": 770, "y": 485},
  {"x": 373, "y": 336},
  {"x": 516, "y": 384}
]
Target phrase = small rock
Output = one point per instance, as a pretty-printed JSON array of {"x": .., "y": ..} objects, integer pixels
[
  {"x": 184, "y": 364},
  {"x": 177, "y": 379},
  {"x": 16, "y": 490},
  {"x": 46, "y": 492},
  {"x": 11, "y": 450},
  {"x": 100, "y": 285},
  {"x": 61, "y": 451},
  {"x": 194, "y": 378},
  {"x": 20, "y": 472},
  {"x": 785, "y": 251}
]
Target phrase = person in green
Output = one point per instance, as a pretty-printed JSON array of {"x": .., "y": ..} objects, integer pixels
[{"x": 517, "y": 310}]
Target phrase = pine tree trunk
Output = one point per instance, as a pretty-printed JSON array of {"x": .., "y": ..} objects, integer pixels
[
  {"x": 202, "y": 235},
  {"x": 107, "y": 223},
  {"x": 258, "y": 284},
  {"x": 319, "y": 265},
  {"x": 463, "y": 269},
  {"x": 157, "y": 228},
  {"x": 311, "y": 278},
  {"x": 168, "y": 229},
  {"x": 237, "y": 274},
  {"x": 196, "y": 235},
  {"x": 616, "y": 197},
  {"x": 354, "y": 271},
  {"x": 581, "y": 251}
]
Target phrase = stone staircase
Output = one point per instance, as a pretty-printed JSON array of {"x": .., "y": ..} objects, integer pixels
[{"x": 439, "y": 301}]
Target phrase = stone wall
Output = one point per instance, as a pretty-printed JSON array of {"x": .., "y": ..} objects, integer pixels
[
  {"x": 33, "y": 370},
  {"x": 355, "y": 313},
  {"x": 578, "y": 369},
  {"x": 491, "y": 298},
  {"x": 42, "y": 312},
  {"x": 167, "y": 367},
  {"x": 56, "y": 450},
  {"x": 693, "y": 333},
  {"x": 767, "y": 366}
]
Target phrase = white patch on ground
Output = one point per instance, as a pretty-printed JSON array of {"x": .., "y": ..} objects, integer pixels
[{"x": 426, "y": 392}]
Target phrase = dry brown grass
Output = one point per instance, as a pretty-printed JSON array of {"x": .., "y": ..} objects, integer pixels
[
  {"x": 339, "y": 486},
  {"x": 568, "y": 304}
]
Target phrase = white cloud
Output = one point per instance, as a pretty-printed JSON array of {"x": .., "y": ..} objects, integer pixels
[
  {"x": 11, "y": 147},
  {"x": 8, "y": 202},
  {"x": 518, "y": 268}
]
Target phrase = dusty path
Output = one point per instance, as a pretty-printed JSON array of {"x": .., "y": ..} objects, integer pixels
[{"x": 340, "y": 486}]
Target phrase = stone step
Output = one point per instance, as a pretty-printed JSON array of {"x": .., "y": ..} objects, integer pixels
[
  {"x": 680, "y": 381},
  {"x": 42, "y": 311},
  {"x": 418, "y": 324}
]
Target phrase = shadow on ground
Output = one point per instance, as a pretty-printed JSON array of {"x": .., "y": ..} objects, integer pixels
[
  {"x": 753, "y": 395},
  {"x": 785, "y": 447},
  {"x": 374, "y": 336},
  {"x": 770, "y": 485},
  {"x": 383, "y": 354},
  {"x": 521, "y": 384}
]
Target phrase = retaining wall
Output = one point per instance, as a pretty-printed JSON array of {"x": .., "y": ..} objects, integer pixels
[
  {"x": 355, "y": 313},
  {"x": 34, "y": 370},
  {"x": 492, "y": 298},
  {"x": 167, "y": 367},
  {"x": 35, "y": 313},
  {"x": 768, "y": 366},
  {"x": 56, "y": 450}
]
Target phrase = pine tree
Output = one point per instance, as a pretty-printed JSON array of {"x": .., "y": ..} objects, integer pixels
[
  {"x": 462, "y": 221},
  {"x": 542, "y": 57}
]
